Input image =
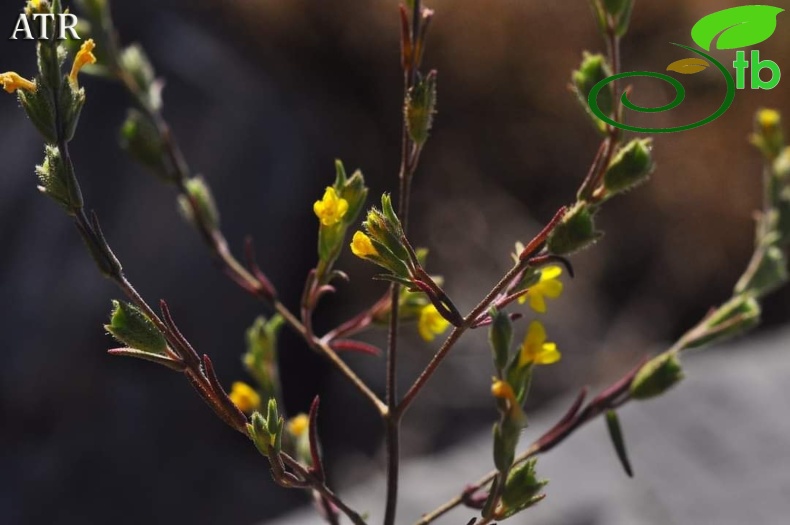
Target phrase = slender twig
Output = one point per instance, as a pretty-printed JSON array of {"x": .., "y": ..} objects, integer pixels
[
  {"x": 215, "y": 240},
  {"x": 410, "y": 153},
  {"x": 473, "y": 316}
]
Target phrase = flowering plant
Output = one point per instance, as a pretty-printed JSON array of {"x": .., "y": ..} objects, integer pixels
[{"x": 291, "y": 444}]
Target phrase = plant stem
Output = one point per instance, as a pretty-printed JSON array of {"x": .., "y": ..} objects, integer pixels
[
  {"x": 408, "y": 165},
  {"x": 324, "y": 348},
  {"x": 322, "y": 489},
  {"x": 217, "y": 244}
]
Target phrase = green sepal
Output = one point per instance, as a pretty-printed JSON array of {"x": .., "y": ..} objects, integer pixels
[
  {"x": 331, "y": 239},
  {"x": 504, "y": 449},
  {"x": 522, "y": 486},
  {"x": 259, "y": 433},
  {"x": 736, "y": 317},
  {"x": 260, "y": 360},
  {"x": 593, "y": 69},
  {"x": 630, "y": 167},
  {"x": 40, "y": 108},
  {"x": 140, "y": 139},
  {"x": 130, "y": 326},
  {"x": 135, "y": 63},
  {"x": 575, "y": 231},
  {"x": 420, "y": 108},
  {"x": 71, "y": 103},
  {"x": 51, "y": 57},
  {"x": 657, "y": 376},
  {"x": 200, "y": 192},
  {"x": 57, "y": 181},
  {"x": 500, "y": 338}
]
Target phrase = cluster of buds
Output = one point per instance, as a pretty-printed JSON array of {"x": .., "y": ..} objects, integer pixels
[
  {"x": 516, "y": 487},
  {"x": 53, "y": 101},
  {"x": 384, "y": 243}
]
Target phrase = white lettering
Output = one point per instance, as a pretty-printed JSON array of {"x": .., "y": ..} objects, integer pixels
[
  {"x": 22, "y": 25},
  {"x": 68, "y": 22},
  {"x": 44, "y": 17}
]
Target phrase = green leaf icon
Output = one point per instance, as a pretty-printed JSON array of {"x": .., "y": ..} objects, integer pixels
[{"x": 741, "y": 26}]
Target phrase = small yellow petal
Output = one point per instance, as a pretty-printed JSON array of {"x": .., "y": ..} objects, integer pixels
[
  {"x": 548, "y": 355},
  {"x": 245, "y": 397},
  {"x": 550, "y": 272},
  {"x": 84, "y": 57},
  {"x": 331, "y": 208},
  {"x": 12, "y": 81},
  {"x": 551, "y": 289},
  {"x": 362, "y": 246},
  {"x": 298, "y": 425},
  {"x": 431, "y": 323},
  {"x": 536, "y": 334},
  {"x": 536, "y": 301}
]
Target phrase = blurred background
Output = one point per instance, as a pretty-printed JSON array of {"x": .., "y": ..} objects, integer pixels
[{"x": 263, "y": 96}]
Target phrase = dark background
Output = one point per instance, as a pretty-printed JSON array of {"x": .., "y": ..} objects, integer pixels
[{"x": 263, "y": 96}]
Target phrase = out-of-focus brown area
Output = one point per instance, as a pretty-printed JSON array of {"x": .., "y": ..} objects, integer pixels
[{"x": 263, "y": 95}]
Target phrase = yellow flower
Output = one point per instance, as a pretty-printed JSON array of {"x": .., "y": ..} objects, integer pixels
[
  {"x": 244, "y": 397},
  {"x": 548, "y": 286},
  {"x": 331, "y": 208},
  {"x": 768, "y": 118},
  {"x": 84, "y": 57},
  {"x": 431, "y": 323},
  {"x": 535, "y": 349},
  {"x": 298, "y": 425},
  {"x": 362, "y": 246},
  {"x": 12, "y": 81}
]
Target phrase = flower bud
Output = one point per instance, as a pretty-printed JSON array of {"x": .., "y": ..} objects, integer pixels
[
  {"x": 767, "y": 134},
  {"x": 40, "y": 108},
  {"x": 383, "y": 244},
  {"x": 575, "y": 232},
  {"x": 200, "y": 194},
  {"x": 57, "y": 181},
  {"x": 260, "y": 360},
  {"x": 657, "y": 376},
  {"x": 737, "y": 316},
  {"x": 130, "y": 326},
  {"x": 141, "y": 140},
  {"x": 592, "y": 70},
  {"x": 630, "y": 167},
  {"x": 421, "y": 107},
  {"x": 135, "y": 63},
  {"x": 522, "y": 486},
  {"x": 259, "y": 433}
]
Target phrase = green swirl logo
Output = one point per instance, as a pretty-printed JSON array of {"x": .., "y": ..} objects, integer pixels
[{"x": 732, "y": 28}]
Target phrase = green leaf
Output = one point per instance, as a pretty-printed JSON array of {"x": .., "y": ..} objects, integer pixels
[
  {"x": 736, "y": 27},
  {"x": 130, "y": 326},
  {"x": 616, "y": 433}
]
